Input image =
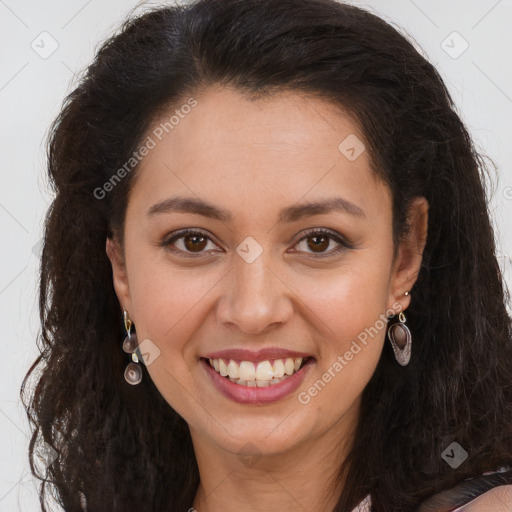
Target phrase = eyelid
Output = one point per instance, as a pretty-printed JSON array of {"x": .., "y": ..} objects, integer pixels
[
  {"x": 168, "y": 240},
  {"x": 342, "y": 242},
  {"x": 325, "y": 231}
]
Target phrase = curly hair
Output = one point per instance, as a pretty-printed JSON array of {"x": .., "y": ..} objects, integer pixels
[{"x": 124, "y": 448}]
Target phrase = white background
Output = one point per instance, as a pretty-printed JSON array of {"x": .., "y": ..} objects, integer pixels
[{"x": 32, "y": 89}]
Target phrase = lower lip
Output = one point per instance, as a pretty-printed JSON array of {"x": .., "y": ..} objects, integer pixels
[{"x": 255, "y": 395}]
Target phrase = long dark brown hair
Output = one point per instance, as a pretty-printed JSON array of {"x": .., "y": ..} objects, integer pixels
[{"x": 123, "y": 447}]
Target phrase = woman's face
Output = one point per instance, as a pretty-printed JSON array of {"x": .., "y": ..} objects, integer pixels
[{"x": 256, "y": 274}]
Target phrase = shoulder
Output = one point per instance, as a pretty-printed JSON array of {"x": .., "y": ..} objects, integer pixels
[
  {"x": 498, "y": 499},
  {"x": 491, "y": 491}
]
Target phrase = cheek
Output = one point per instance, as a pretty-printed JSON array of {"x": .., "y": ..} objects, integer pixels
[
  {"x": 351, "y": 308},
  {"x": 167, "y": 300},
  {"x": 350, "y": 298},
  {"x": 169, "y": 305}
]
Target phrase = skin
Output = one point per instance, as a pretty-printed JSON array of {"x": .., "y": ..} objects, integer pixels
[
  {"x": 498, "y": 499},
  {"x": 254, "y": 158}
]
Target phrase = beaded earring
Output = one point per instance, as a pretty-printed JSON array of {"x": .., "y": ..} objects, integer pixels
[
  {"x": 133, "y": 372},
  {"x": 400, "y": 337}
]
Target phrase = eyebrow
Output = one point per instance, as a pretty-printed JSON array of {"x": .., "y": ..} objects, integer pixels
[{"x": 288, "y": 214}]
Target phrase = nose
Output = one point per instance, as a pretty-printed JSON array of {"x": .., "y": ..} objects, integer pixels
[{"x": 256, "y": 297}]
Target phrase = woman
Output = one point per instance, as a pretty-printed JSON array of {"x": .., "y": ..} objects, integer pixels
[{"x": 249, "y": 196}]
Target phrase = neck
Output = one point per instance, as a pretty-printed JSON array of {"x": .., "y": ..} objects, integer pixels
[{"x": 303, "y": 478}]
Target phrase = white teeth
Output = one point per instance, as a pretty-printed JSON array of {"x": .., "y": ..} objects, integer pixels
[
  {"x": 258, "y": 383},
  {"x": 264, "y": 371},
  {"x": 247, "y": 371},
  {"x": 278, "y": 369},
  {"x": 223, "y": 369},
  {"x": 232, "y": 369},
  {"x": 261, "y": 374}
]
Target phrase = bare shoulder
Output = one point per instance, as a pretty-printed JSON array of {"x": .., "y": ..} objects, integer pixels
[{"x": 498, "y": 499}]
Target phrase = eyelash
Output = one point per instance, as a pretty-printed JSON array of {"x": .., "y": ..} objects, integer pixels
[{"x": 314, "y": 231}]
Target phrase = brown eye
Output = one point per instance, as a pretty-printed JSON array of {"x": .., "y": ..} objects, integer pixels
[
  {"x": 194, "y": 242},
  {"x": 318, "y": 241},
  {"x": 191, "y": 242}
]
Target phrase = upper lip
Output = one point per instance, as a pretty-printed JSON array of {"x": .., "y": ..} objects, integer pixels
[{"x": 263, "y": 354}]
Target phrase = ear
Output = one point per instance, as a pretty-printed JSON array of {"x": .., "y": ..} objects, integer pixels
[
  {"x": 410, "y": 253},
  {"x": 119, "y": 275}
]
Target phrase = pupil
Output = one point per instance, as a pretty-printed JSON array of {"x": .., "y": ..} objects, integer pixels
[
  {"x": 317, "y": 245},
  {"x": 194, "y": 244}
]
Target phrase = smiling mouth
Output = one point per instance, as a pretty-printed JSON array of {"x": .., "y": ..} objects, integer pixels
[{"x": 258, "y": 373}]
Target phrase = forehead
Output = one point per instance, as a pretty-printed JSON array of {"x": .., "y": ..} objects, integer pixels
[{"x": 283, "y": 148}]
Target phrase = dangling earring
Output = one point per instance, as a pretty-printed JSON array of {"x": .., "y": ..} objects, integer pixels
[
  {"x": 400, "y": 337},
  {"x": 133, "y": 372}
]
